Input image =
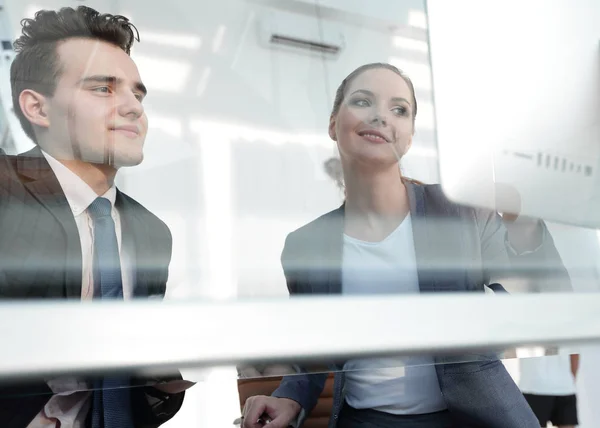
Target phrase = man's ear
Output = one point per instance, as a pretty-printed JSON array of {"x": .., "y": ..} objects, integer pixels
[
  {"x": 332, "y": 133},
  {"x": 34, "y": 107}
]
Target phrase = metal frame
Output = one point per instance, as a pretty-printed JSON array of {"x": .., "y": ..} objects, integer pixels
[{"x": 41, "y": 339}]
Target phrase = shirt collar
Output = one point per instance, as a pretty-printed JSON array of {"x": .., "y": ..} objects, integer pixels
[{"x": 78, "y": 193}]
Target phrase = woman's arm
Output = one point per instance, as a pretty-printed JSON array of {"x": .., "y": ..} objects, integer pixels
[
  {"x": 520, "y": 253},
  {"x": 574, "y": 364},
  {"x": 523, "y": 233},
  {"x": 303, "y": 388}
]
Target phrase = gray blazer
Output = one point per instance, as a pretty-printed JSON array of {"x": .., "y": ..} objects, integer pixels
[{"x": 458, "y": 249}]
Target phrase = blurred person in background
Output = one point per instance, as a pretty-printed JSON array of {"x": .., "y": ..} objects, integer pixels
[
  {"x": 66, "y": 231},
  {"x": 397, "y": 235},
  {"x": 548, "y": 384}
]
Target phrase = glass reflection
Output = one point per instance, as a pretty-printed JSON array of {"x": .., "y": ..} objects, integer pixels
[{"x": 242, "y": 150}]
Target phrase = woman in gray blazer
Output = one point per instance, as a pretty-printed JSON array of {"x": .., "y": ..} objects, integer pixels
[{"x": 395, "y": 235}]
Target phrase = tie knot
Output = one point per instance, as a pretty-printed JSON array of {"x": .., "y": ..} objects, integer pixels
[{"x": 100, "y": 208}]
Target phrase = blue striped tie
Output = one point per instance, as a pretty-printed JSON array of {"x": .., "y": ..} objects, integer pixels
[{"x": 111, "y": 407}]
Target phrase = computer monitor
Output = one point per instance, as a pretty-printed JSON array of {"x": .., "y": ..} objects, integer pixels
[{"x": 517, "y": 101}]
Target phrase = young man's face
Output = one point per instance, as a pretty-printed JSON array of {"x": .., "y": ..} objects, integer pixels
[{"x": 96, "y": 113}]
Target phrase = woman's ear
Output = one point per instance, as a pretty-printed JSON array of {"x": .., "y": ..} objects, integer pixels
[
  {"x": 34, "y": 107},
  {"x": 332, "y": 133}
]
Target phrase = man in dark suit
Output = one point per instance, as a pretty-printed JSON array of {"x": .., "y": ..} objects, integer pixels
[{"x": 66, "y": 232}]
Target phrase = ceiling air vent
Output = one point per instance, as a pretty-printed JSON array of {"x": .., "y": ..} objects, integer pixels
[{"x": 300, "y": 33}]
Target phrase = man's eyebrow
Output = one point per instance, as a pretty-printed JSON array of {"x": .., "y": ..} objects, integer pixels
[{"x": 113, "y": 80}]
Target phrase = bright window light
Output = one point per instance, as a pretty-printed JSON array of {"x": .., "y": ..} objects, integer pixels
[
  {"x": 417, "y": 18},
  {"x": 224, "y": 399},
  {"x": 169, "y": 125},
  {"x": 185, "y": 41},
  {"x": 203, "y": 81},
  {"x": 29, "y": 13},
  {"x": 215, "y": 140},
  {"x": 423, "y": 152},
  {"x": 161, "y": 74},
  {"x": 218, "y": 39},
  {"x": 410, "y": 44},
  {"x": 31, "y": 10},
  {"x": 425, "y": 116},
  {"x": 215, "y": 147},
  {"x": 419, "y": 73},
  {"x": 231, "y": 131},
  {"x": 125, "y": 13}
]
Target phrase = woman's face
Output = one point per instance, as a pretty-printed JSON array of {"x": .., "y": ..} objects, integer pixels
[{"x": 374, "y": 119}]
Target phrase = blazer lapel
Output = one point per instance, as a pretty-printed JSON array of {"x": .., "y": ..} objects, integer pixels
[
  {"x": 437, "y": 237},
  {"x": 44, "y": 186},
  {"x": 440, "y": 231},
  {"x": 333, "y": 232},
  {"x": 421, "y": 237}
]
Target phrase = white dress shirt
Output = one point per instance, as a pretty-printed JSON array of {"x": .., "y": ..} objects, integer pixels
[
  {"x": 71, "y": 403},
  {"x": 80, "y": 196}
]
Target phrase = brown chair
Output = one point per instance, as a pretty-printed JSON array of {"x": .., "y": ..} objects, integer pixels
[{"x": 318, "y": 418}]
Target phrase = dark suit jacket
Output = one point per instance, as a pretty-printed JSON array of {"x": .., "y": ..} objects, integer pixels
[
  {"x": 40, "y": 258},
  {"x": 458, "y": 249}
]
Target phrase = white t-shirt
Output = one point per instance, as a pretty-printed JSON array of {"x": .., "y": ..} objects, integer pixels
[
  {"x": 548, "y": 375},
  {"x": 401, "y": 385}
]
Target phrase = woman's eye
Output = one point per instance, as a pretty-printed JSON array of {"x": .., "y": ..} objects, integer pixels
[
  {"x": 361, "y": 102},
  {"x": 400, "y": 111}
]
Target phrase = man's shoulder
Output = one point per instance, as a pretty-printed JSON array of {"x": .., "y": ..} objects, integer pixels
[
  {"x": 10, "y": 183},
  {"x": 151, "y": 220},
  {"x": 7, "y": 163}
]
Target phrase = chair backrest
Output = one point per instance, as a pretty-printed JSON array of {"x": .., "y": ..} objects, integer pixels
[{"x": 318, "y": 418}]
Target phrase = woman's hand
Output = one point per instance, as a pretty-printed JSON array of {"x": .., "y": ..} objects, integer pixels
[
  {"x": 276, "y": 412},
  {"x": 524, "y": 233}
]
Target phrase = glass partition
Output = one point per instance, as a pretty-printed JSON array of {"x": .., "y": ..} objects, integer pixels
[{"x": 274, "y": 214}]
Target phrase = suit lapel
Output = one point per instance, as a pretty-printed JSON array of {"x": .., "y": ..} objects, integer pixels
[
  {"x": 44, "y": 186},
  {"x": 136, "y": 241}
]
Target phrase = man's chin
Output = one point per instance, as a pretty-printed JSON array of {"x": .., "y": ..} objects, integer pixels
[{"x": 127, "y": 162}]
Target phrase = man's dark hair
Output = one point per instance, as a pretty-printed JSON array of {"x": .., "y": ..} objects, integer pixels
[{"x": 37, "y": 65}]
